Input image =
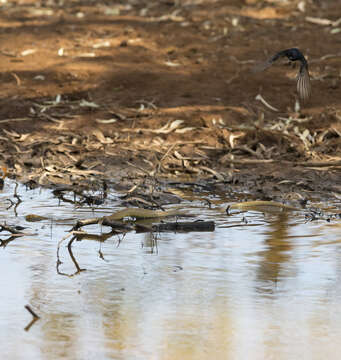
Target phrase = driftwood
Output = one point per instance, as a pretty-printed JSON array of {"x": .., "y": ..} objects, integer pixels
[
  {"x": 114, "y": 222},
  {"x": 262, "y": 206}
]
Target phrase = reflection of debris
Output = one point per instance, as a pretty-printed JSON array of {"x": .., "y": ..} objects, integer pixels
[
  {"x": 177, "y": 268},
  {"x": 314, "y": 214},
  {"x": 4, "y": 243},
  {"x": 16, "y": 204},
  {"x": 149, "y": 244},
  {"x": 79, "y": 236},
  {"x": 16, "y": 231}
]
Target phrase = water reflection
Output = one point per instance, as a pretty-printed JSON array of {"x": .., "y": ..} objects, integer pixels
[
  {"x": 270, "y": 291},
  {"x": 277, "y": 253}
]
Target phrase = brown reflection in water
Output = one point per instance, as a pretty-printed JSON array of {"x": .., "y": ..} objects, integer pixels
[
  {"x": 210, "y": 334},
  {"x": 60, "y": 332},
  {"x": 277, "y": 253},
  {"x": 120, "y": 318},
  {"x": 120, "y": 327}
]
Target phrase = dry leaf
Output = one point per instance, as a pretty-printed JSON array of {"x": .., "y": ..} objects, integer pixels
[{"x": 101, "y": 138}]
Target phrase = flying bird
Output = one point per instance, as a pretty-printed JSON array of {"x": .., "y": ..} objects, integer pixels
[{"x": 303, "y": 78}]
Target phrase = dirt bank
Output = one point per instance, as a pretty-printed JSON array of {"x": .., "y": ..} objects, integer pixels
[{"x": 121, "y": 90}]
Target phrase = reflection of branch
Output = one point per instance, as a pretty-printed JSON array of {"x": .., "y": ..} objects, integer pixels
[
  {"x": 16, "y": 204},
  {"x": 14, "y": 230},
  {"x": 150, "y": 243},
  {"x": 11, "y": 204},
  {"x": 69, "y": 247},
  {"x": 120, "y": 239},
  {"x": 101, "y": 256},
  {"x": 4, "y": 243},
  {"x": 18, "y": 198},
  {"x": 104, "y": 237},
  {"x": 79, "y": 235}
]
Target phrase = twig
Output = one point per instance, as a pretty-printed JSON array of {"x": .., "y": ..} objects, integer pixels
[
  {"x": 14, "y": 119},
  {"x": 318, "y": 163},
  {"x": 261, "y": 99},
  {"x": 165, "y": 155},
  {"x": 247, "y": 161},
  {"x": 17, "y": 79},
  {"x": 323, "y": 22},
  {"x": 140, "y": 168}
]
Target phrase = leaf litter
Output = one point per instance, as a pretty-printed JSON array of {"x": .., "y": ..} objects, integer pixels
[{"x": 117, "y": 116}]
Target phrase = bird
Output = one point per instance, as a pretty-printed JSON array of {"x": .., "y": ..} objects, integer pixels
[{"x": 303, "y": 77}]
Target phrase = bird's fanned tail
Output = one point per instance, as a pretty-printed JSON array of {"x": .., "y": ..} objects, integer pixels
[{"x": 303, "y": 84}]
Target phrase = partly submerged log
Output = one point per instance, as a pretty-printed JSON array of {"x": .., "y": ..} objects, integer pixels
[
  {"x": 115, "y": 220},
  {"x": 139, "y": 213},
  {"x": 261, "y": 206},
  {"x": 186, "y": 226}
]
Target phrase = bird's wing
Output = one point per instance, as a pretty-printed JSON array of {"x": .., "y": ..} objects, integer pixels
[
  {"x": 266, "y": 64},
  {"x": 303, "y": 83}
]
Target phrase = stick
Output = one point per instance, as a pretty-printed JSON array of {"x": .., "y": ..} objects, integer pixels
[
  {"x": 29, "y": 309},
  {"x": 261, "y": 99}
]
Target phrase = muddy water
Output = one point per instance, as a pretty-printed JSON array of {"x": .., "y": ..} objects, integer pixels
[{"x": 262, "y": 287}]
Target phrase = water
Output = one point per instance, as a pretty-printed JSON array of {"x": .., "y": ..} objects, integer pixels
[{"x": 266, "y": 289}]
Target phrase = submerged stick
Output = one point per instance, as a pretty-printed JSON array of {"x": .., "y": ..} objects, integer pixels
[
  {"x": 29, "y": 309},
  {"x": 34, "y": 319}
]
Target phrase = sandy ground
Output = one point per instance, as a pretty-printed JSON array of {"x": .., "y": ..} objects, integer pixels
[{"x": 96, "y": 91}]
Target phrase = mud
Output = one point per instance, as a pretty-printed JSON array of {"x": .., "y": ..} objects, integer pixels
[{"x": 144, "y": 93}]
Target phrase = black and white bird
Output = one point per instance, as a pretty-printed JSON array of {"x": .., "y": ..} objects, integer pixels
[{"x": 303, "y": 77}]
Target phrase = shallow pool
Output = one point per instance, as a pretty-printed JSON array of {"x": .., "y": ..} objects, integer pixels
[{"x": 261, "y": 286}]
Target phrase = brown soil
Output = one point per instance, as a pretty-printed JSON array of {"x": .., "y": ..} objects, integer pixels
[{"x": 67, "y": 67}]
